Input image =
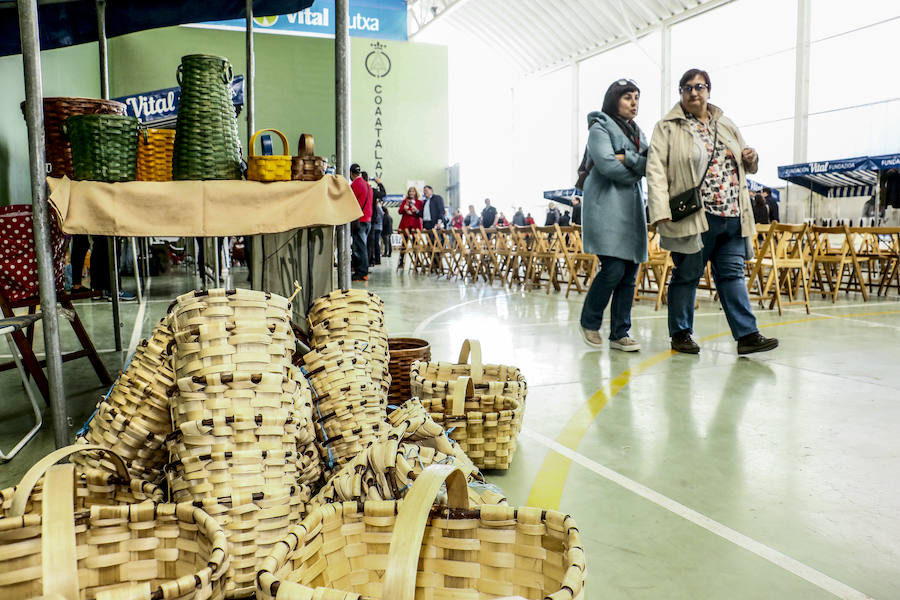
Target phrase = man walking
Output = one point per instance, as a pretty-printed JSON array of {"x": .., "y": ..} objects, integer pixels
[
  {"x": 488, "y": 215},
  {"x": 360, "y": 229},
  {"x": 433, "y": 208}
]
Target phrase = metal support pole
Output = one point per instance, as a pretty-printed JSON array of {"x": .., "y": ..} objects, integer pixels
[
  {"x": 342, "y": 128},
  {"x": 34, "y": 117},
  {"x": 111, "y": 242},
  {"x": 801, "y": 85},
  {"x": 249, "y": 79}
]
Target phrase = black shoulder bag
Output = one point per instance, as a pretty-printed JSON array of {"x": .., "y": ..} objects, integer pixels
[{"x": 688, "y": 202}]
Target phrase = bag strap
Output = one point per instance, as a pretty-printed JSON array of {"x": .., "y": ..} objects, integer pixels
[
  {"x": 59, "y": 564},
  {"x": 712, "y": 155},
  {"x": 473, "y": 347},
  {"x": 462, "y": 388},
  {"x": 409, "y": 529},
  {"x": 30, "y": 479}
]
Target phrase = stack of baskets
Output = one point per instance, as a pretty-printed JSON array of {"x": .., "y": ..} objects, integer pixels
[
  {"x": 348, "y": 369},
  {"x": 133, "y": 419},
  {"x": 480, "y": 405},
  {"x": 242, "y": 417}
]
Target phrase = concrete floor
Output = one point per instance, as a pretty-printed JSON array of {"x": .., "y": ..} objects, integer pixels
[{"x": 691, "y": 477}]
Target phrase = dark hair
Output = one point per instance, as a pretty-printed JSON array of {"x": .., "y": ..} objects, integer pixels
[
  {"x": 354, "y": 168},
  {"x": 364, "y": 175},
  {"x": 690, "y": 74},
  {"x": 767, "y": 191},
  {"x": 428, "y": 187},
  {"x": 616, "y": 90}
]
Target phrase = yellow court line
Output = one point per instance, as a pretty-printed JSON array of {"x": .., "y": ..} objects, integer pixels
[{"x": 546, "y": 492}]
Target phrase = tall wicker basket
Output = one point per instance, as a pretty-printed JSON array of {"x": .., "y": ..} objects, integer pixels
[
  {"x": 104, "y": 147},
  {"x": 403, "y": 353},
  {"x": 380, "y": 550},
  {"x": 482, "y": 404},
  {"x": 155, "y": 149},
  {"x": 206, "y": 136}
]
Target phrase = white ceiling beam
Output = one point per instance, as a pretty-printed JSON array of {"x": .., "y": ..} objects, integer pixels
[
  {"x": 501, "y": 41},
  {"x": 566, "y": 25},
  {"x": 543, "y": 43},
  {"x": 444, "y": 9}
]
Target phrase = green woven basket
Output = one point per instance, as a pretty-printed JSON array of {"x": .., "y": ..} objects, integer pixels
[
  {"x": 104, "y": 147},
  {"x": 206, "y": 134}
]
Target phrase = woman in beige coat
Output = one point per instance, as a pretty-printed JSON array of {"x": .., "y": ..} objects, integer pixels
[{"x": 695, "y": 144}]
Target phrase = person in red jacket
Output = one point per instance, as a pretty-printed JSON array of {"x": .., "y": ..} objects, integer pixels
[
  {"x": 457, "y": 221},
  {"x": 410, "y": 216},
  {"x": 360, "y": 229}
]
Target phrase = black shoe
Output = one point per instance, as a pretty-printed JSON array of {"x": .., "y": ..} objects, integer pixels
[
  {"x": 756, "y": 342},
  {"x": 683, "y": 342}
]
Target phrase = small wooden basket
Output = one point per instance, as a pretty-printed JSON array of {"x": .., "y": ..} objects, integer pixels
[
  {"x": 269, "y": 168},
  {"x": 403, "y": 353},
  {"x": 412, "y": 549},
  {"x": 306, "y": 166},
  {"x": 154, "y": 158},
  {"x": 481, "y": 405}
]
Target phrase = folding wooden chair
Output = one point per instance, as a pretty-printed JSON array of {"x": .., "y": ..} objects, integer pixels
[
  {"x": 835, "y": 262},
  {"x": 781, "y": 267},
  {"x": 406, "y": 249},
  {"x": 580, "y": 266},
  {"x": 653, "y": 276},
  {"x": 889, "y": 239},
  {"x": 504, "y": 251},
  {"x": 520, "y": 256},
  {"x": 489, "y": 260}
]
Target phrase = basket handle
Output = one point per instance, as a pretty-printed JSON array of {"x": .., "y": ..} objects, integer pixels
[
  {"x": 178, "y": 73},
  {"x": 227, "y": 72},
  {"x": 306, "y": 146},
  {"x": 473, "y": 347},
  {"x": 406, "y": 542},
  {"x": 252, "y": 144},
  {"x": 59, "y": 564},
  {"x": 462, "y": 388},
  {"x": 26, "y": 485}
]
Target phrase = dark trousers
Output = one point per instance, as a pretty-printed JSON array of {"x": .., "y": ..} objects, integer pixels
[
  {"x": 374, "y": 244},
  {"x": 360, "y": 250},
  {"x": 99, "y": 262},
  {"x": 80, "y": 246},
  {"x": 724, "y": 246},
  {"x": 386, "y": 243},
  {"x": 615, "y": 279}
]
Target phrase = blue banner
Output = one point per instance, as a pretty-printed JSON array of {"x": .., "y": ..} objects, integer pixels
[
  {"x": 380, "y": 19},
  {"x": 828, "y": 166},
  {"x": 159, "y": 105}
]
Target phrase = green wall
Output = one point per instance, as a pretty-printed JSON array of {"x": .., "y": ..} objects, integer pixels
[
  {"x": 295, "y": 94},
  {"x": 65, "y": 72}
]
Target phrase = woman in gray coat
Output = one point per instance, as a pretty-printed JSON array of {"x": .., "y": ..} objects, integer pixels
[{"x": 614, "y": 222}]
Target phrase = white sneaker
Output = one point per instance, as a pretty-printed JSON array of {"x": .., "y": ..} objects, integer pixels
[
  {"x": 625, "y": 344},
  {"x": 592, "y": 337}
]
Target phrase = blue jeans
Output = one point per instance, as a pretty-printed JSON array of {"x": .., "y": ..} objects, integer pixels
[
  {"x": 616, "y": 279},
  {"x": 360, "y": 250},
  {"x": 724, "y": 246}
]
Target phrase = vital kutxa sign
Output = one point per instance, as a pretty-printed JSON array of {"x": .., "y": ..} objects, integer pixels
[{"x": 381, "y": 19}]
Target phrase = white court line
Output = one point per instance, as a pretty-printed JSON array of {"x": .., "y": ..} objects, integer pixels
[
  {"x": 813, "y": 576},
  {"x": 138, "y": 321},
  {"x": 852, "y": 320},
  {"x": 421, "y": 326}
]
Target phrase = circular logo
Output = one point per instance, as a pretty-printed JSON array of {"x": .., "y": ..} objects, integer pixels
[
  {"x": 266, "y": 21},
  {"x": 378, "y": 64}
]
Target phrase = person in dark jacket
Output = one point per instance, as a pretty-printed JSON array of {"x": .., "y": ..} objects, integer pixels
[
  {"x": 772, "y": 204},
  {"x": 576, "y": 210},
  {"x": 565, "y": 219},
  {"x": 760, "y": 209},
  {"x": 552, "y": 216},
  {"x": 387, "y": 228},
  {"x": 488, "y": 215},
  {"x": 519, "y": 218},
  {"x": 432, "y": 208}
]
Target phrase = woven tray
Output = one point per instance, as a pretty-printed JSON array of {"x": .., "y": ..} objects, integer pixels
[
  {"x": 403, "y": 353},
  {"x": 379, "y": 549},
  {"x": 482, "y": 406},
  {"x": 132, "y": 552}
]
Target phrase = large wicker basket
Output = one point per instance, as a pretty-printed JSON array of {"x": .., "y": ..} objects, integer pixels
[
  {"x": 154, "y": 159},
  {"x": 411, "y": 549},
  {"x": 132, "y": 552},
  {"x": 104, "y": 147},
  {"x": 403, "y": 353},
  {"x": 480, "y": 405}
]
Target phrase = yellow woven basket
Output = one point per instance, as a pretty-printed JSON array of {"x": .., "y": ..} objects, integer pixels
[
  {"x": 380, "y": 550},
  {"x": 154, "y": 159},
  {"x": 269, "y": 168}
]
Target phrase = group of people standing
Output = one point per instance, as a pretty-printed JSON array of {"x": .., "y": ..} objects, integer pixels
[
  {"x": 372, "y": 231},
  {"x": 695, "y": 152}
]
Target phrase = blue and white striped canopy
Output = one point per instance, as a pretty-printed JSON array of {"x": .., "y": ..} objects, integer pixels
[{"x": 840, "y": 178}]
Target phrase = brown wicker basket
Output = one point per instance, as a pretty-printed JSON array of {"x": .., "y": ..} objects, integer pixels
[
  {"x": 306, "y": 166},
  {"x": 403, "y": 353},
  {"x": 133, "y": 552},
  {"x": 480, "y": 405},
  {"x": 412, "y": 549},
  {"x": 56, "y": 111}
]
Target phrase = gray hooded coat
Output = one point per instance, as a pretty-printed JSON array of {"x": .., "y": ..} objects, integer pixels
[{"x": 614, "y": 222}]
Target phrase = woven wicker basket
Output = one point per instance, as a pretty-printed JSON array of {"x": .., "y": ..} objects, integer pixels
[
  {"x": 154, "y": 159},
  {"x": 207, "y": 145},
  {"x": 411, "y": 549},
  {"x": 56, "y": 111},
  {"x": 104, "y": 147},
  {"x": 132, "y": 552},
  {"x": 306, "y": 166},
  {"x": 94, "y": 487},
  {"x": 481, "y": 405},
  {"x": 403, "y": 353},
  {"x": 276, "y": 167}
]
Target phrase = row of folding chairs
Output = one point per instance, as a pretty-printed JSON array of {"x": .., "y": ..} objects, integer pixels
[{"x": 790, "y": 261}]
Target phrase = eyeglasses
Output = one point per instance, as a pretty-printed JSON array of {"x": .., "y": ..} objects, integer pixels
[
  {"x": 687, "y": 89},
  {"x": 626, "y": 82}
]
